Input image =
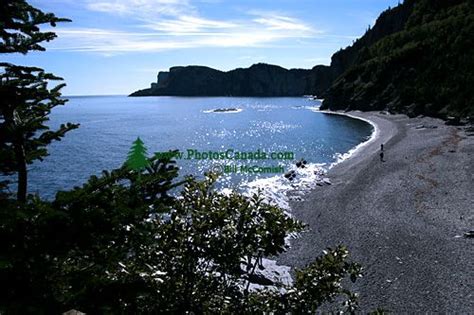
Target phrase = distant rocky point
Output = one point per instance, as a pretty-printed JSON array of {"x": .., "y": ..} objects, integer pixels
[
  {"x": 258, "y": 80},
  {"x": 416, "y": 60}
]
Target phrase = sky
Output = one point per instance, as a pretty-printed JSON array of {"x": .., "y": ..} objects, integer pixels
[{"x": 114, "y": 47}]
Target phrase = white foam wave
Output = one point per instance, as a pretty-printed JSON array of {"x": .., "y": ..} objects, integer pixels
[
  {"x": 311, "y": 108},
  {"x": 278, "y": 190}
]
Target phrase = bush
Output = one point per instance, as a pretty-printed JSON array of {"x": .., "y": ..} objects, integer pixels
[{"x": 123, "y": 244}]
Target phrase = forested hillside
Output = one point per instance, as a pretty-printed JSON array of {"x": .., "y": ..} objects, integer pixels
[{"x": 417, "y": 59}]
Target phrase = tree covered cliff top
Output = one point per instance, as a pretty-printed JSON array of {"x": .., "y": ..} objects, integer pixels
[{"x": 416, "y": 60}]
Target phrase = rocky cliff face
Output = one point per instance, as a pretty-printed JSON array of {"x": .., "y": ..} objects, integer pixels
[
  {"x": 415, "y": 60},
  {"x": 258, "y": 80}
]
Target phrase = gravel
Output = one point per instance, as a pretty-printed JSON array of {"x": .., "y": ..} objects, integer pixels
[{"x": 402, "y": 219}]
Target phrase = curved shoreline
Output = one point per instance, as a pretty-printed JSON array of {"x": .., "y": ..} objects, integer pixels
[
  {"x": 402, "y": 219},
  {"x": 373, "y": 137},
  {"x": 384, "y": 131}
]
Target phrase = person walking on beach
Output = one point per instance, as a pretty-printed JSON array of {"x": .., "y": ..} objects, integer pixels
[{"x": 381, "y": 153}]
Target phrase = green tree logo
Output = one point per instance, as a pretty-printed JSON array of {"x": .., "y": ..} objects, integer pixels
[{"x": 137, "y": 158}]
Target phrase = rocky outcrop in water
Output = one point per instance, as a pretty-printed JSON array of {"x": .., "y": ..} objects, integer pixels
[{"x": 417, "y": 59}]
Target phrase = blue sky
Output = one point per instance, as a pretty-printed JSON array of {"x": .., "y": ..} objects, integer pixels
[{"x": 118, "y": 46}]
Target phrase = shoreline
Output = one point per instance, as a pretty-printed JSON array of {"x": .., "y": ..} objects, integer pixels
[
  {"x": 402, "y": 219},
  {"x": 356, "y": 150}
]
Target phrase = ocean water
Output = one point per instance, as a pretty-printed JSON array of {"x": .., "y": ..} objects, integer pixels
[{"x": 289, "y": 128}]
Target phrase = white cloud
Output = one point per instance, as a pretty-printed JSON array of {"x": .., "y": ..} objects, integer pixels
[
  {"x": 276, "y": 22},
  {"x": 159, "y": 25},
  {"x": 188, "y": 24},
  {"x": 140, "y": 8},
  {"x": 109, "y": 42}
]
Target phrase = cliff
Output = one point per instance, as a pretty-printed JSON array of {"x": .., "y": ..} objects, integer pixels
[
  {"x": 258, "y": 80},
  {"x": 416, "y": 60}
]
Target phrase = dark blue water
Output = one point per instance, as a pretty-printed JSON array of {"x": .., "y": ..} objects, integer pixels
[{"x": 109, "y": 125}]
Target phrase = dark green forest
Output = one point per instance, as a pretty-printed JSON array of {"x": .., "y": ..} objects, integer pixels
[
  {"x": 417, "y": 59},
  {"x": 138, "y": 240},
  {"x": 135, "y": 240}
]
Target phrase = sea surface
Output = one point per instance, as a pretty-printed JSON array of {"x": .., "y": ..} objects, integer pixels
[{"x": 289, "y": 128}]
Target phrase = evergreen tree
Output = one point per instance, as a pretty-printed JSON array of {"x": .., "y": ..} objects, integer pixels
[
  {"x": 137, "y": 157},
  {"x": 127, "y": 245},
  {"x": 26, "y": 100}
]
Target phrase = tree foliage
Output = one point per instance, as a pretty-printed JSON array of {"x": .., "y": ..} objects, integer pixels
[
  {"x": 134, "y": 240},
  {"x": 20, "y": 27},
  {"x": 421, "y": 68},
  {"x": 26, "y": 100},
  {"x": 122, "y": 244}
]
